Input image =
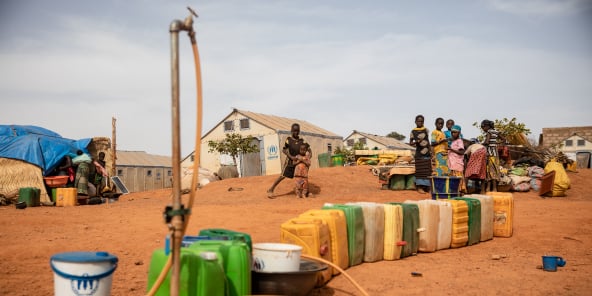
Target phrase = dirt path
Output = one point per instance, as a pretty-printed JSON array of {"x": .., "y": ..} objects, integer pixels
[{"x": 133, "y": 227}]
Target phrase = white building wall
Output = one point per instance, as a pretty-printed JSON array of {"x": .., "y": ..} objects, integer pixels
[
  {"x": 211, "y": 160},
  {"x": 574, "y": 147},
  {"x": 369, "y": 143}
]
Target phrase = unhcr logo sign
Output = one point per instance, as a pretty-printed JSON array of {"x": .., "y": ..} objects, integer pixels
[{"x": 272, "y": 152}]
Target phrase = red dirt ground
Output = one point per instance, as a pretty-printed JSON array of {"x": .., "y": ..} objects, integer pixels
[{"x": 133, "y": 227}]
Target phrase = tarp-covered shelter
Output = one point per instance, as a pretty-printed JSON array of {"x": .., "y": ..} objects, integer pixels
[{"x": 27, "y": 153}]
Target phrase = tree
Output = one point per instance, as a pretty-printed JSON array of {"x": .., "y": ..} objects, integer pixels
[
  {"x": 514, "y": 132},
  {"x": 350, "y": 154},
  {"x": 233, "y": 145},
  {"x": 396, "y": 135}
]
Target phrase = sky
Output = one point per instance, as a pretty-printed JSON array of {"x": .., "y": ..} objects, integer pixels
[{"x": 370, "y": 66}]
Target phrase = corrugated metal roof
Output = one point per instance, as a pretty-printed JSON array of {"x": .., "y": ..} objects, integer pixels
[
  {"x": 142, "y": 159},
  {"x": 388, "y": 142},
  {"x": 283, "y": 124}
]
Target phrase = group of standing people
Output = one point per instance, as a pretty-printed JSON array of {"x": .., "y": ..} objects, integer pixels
[
  {"x": 82, "y": 170},
  {"x": 443, "y": 153}
]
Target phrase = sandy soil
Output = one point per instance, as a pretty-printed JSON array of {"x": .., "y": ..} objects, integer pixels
[{"x": 133, "y": 227}]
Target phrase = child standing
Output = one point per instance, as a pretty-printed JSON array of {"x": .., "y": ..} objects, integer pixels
[
  {"x": 493, "y": 163},
  {"x": 420, "y": 139},
  {"x": 302, "y": 163},
  {"x": 440, "y": 145},
  {"x": 456, "y": 157}
]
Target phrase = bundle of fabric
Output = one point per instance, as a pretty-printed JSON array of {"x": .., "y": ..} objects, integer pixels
[
  {"x": 520, "y": 183},
  {"x": 535, "y": 173}
]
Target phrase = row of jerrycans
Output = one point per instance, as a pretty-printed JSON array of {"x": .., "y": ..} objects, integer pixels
[
  {"x": 216, "y": 262},
  {"x": 391, "y": 231}
]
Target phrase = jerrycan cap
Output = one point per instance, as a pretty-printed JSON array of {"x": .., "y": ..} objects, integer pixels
[{"x": 209, "y": 255}]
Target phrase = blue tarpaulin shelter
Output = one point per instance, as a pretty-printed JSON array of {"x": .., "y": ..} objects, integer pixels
[{"x": 37, "y": 145}]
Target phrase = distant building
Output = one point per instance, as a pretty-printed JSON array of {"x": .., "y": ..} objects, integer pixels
[
  {"x": 375, "y": 142},
  {"x": 140, "y": 171},
  {"x": 576, "y": 142},
  {"x": 270, "y": 133}
]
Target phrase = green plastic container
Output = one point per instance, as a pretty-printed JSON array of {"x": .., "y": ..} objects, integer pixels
[
  {"x": 397, "y": 182},
  {"x": 201, "y": 275},
  {"x": 211, "y": 280},
  {"x": 324, "y": 160},
  {"x": 474, "y": 219},
  {"x": 227, "y": 234},
  {"x": 30, "y": 195},
  {"x": 188, "y": 275},
  {"x": 354, "y": 217},
  {"x": 235, "y": 259},
  {"x": 337, "y": 160},
  {"x": 410, "y": 182},
  {"x": 410, "y": 226}
]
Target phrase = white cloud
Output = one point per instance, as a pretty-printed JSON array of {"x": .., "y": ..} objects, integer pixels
[{"x": 540, "y": 7}]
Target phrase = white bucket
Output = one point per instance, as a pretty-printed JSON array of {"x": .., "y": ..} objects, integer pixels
[
  {"x": 276, "y": 257},
  {"x": 83, "y": 273}
]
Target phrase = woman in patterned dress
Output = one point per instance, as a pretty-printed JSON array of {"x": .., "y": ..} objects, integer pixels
[
  {"x": 420, "y": 139},
  {"x": 440, "y": 145}
]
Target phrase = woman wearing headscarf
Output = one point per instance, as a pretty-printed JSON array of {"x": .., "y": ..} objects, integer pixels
[
  {"x": 456, "y": 157},
  {"x": 477, "y": 164}
]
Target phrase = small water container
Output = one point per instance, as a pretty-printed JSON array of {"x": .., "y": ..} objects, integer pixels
[
  {"x": 66, "y": 197},
  {"x": 338, "y": 229},
  {"x": 30, "y": 195},
  {"x": 211, "y": 279},
  {"x": 393, "y": 231},
  {"x": 410, "y": 227},
  {"x": 373, "y": 229},
  {"x": 83, "y": 273},
  {"x": 355, "y": 231},
  {"x": 429, "y": 218},
  {"x": 503, "y": 213}
]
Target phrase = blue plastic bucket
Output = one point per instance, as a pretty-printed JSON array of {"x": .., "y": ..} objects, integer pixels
[
  {"x": 83, "y": 273},
  {"x": 445, "y": 184},
  {"x": 550, "y": 263}
]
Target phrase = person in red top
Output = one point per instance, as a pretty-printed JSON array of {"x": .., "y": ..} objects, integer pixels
[{"x": 291, "y": 150}]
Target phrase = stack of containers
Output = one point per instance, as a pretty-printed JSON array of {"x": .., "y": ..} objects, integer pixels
[
  {"x": 410, "y": 227},
  {"x": 460, "y": 226},
  {"x": 503, "y": 209},
  {"x": 429, "y": 219},
  {"x": 393, "y": 231},
  {"x": 355, "y": 231},
  {"x": 313, "y": 235},
  {"x": 373, "y": 229},
  {"x": 230, "y": 249},
  {"x": 201, "y": 274},
  {"x": 486, "y": 215},
  {"x": 474, "y": 206},
  {"x": 335, "y": 219},
  {"x": 235, "y": 258},
  {"x": 227, "y": 234}
]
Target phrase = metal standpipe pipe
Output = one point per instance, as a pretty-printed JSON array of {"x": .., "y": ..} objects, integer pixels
[{"x": 177, "y": 212}]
